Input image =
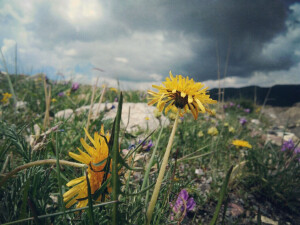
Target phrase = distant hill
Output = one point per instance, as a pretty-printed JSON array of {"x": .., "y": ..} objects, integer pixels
[{"x": 280, "y": 95}]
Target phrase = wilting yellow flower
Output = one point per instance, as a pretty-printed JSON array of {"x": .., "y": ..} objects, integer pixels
[
  {"x": 241, "y": 143},
  {"x": 6, "y": 97},
  {"x": 200, "y": 134},
  {"x": 258, "y": 110},
  {"x": 182, "y": 92},
  {"x": 53, "y": 100},
  {"x": 213, "y": 131},
  {"x": 95, "y": 154},
  {"x": 68, "y": 93},
  {"x": 231, "y": 129}
]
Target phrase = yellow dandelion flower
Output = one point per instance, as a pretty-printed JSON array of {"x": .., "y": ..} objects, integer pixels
[
  {"x": 53, "y": 100},
  {"x": 6, "y": 97},
  {"x": 95, "y": 154},
  {"x": 226, "y": 124},
  {"x": 184, "y": 93},
  {"x": 241, "y": 143},
  {"x": 213, "y": 131}
]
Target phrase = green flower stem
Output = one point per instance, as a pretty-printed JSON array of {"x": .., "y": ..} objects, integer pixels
[
  {"x": 161, "y": 172},
  {"x": 38, "y": 163}
]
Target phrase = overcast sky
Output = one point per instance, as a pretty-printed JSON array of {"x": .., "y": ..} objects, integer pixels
[{"x": 139, "y": 42}]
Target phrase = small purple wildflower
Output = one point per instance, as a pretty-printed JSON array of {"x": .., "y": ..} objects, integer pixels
[
  {"x": 132, "y": 146},
  {"x": 297, "y": 150},
  {"x": 179, "y": 206},
  {"x": 243, "y": 121},
  {"x": 75, "y": 86},
  {"x": 231, "y": 104},
  {"x": 238, "y": 106},
  {"x": 225, "y": 106},
  {"x": 288, "y": 145},
  {"x": 61, "y": 94},
  {"x": 247, "y": 110},
  {"x": 112, "y": 107},
  {"x": 147, "y": 146},
  {"x": 116, "y": 99}
]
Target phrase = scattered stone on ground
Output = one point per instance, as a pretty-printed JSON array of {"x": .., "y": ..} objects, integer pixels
[
  {"x": 141, "y": 116},
  {"x": 287, "y": 117}
]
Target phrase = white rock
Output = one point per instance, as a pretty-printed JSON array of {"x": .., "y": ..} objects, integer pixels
[
  {"x": 288, "y": 136},
  {"x": 21, "y": 105},
  {"x": 65, "y": 114},
  {"x": 137, "y": 117},
  {"x": 255, "y": 121}
]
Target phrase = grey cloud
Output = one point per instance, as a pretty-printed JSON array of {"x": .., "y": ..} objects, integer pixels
[
  {"x": 191, "y": 30},
  {"x": 247, "y": 25}
]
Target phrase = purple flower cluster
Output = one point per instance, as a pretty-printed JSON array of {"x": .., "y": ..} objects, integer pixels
[
  {"x": 288, "y": 145},
  {"x": 75, "y": 87},
  {"x": 232, "y": 105},
  {"x": 61, "y": 94},
  {"x": 146, "y": 146},
  {"x": 182, "y": 204},
  {"x": 247, "y": 110},
  {"x": 243, "y": 121}
]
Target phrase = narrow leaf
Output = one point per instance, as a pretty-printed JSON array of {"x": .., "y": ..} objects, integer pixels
[{"x": 221, "y": 198}]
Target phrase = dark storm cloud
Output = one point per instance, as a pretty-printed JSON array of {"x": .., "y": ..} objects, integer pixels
[{"x": 246, "y": 26}]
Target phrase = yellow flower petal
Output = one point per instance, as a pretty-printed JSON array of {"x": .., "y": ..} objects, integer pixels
[{"x": 75, "y": 181}]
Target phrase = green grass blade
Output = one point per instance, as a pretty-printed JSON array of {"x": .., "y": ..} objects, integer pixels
[
  {"x": 221, "y": 198},
  {"x": 116, "y": 156},
  {"x": 58, "y": 178},
  {"x": 90, "y": 202},
  {"x": 60, "y": 213}
]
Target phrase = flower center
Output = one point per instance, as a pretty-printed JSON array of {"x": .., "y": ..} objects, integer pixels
[{"x": 180, "y": 102}]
